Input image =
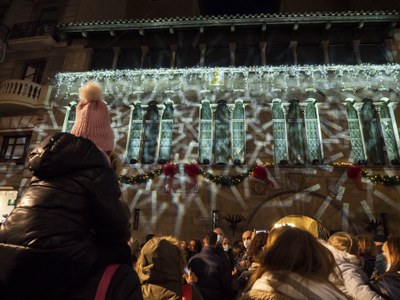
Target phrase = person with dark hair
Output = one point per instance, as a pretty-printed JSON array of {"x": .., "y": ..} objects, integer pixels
[
  {"x": 366, "y": 253},
  {"x": 70, "y": 224},
  {"x": 194, "y": 247},
  {"x": 388, "y": 284},
  {"x": 149, "y": 236},
  {"x": 214, "y": 275},
  {"x": 255, "y": 253}
]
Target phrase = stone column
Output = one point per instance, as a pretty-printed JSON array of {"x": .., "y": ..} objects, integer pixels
[
  {"x": 394, "y": 46},
  {"x": 356, "y": 48},
  {"x": 263, "y": 52},
  {"x": 173, "y": 48},
  {"x": 203, "y": 49},
  {"x": 232, "y": 49},
  {"x": 293, "y": 47},
  {"x": 117, "y": 52},
  {"x": 325, "y": 47}
]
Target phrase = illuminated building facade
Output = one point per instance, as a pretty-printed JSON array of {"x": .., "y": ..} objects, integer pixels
[{"x": 260, "y": 115}]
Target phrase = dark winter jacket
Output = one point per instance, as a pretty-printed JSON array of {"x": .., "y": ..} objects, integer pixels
[
  {"x": 213, "y": 273},
  {"x": 68, "y": 225},
  {"x": 388, "y": 286}
]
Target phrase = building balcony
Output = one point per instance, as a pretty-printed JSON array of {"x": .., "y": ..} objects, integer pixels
[
  {"x": 19, "y": 96},
  {"x": 33, "y": 36}
]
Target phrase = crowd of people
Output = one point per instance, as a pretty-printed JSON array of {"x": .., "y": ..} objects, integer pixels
[
  {"x": 288, "y": 262},
  {"x": 69, "y": 238}
]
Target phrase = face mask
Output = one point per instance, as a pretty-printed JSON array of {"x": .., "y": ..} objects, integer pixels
[
  {"x": 226, "y": 248},
  {"x": 246, "y": 243},
  {"x": 220, "y": 238}
]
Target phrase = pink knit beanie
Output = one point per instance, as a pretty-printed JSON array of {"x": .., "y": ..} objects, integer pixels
[{"x": 92, "y": 117}]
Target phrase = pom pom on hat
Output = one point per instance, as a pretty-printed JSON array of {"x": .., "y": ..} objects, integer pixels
[{"x": 93, "y": 118}]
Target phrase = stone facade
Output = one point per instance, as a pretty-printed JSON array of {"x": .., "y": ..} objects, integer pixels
[{"x": 175, "y": 206}]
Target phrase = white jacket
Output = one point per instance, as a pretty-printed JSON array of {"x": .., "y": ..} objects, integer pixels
[
  {"x": 294, "y": 286},
  {"x": 355, "y": 282}
]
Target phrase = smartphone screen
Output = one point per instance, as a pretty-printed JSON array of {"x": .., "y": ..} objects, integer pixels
[{"x": 186, "y": 270}]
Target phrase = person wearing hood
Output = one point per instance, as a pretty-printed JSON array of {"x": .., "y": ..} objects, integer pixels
[
  {"x": 70, "y": 223},
  {"x": 354, "y": 283},
  {"x": 161, "y": 270}
]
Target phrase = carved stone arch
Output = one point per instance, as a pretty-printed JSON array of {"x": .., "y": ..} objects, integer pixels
[{"x": 257, "y": 211}]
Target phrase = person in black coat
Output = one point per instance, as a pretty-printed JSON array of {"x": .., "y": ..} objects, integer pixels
[
  {"x": 70, "y": 223},
  {"x": 388, "y": 284},
  {"x": 212, "y": 271}
]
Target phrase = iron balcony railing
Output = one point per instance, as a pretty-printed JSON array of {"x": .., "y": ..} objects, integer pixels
[{"x": 31, "y": 29}]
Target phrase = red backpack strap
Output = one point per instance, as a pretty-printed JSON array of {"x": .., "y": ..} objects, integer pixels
[
  {"x": 187, "y": 292},
  {"x": 105, "y": 281}
]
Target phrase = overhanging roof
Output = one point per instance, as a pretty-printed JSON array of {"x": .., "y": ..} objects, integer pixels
[{"x": 391, "y": 17}]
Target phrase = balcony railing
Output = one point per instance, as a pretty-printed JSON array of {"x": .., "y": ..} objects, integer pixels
[
  {"x": 24, "y": 93},
  {"x": 33, "y": 29},
  {"x": 4, "y": 32}
]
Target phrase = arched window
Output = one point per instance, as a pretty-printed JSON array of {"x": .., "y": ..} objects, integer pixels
[
  {"x": 206, "y": 133},
  {"x": 357, "y": 147},
  {"x": 222, "y": 133},
  {"x": 314, "y": 154},
  {"x": 388, "y": 131},
  {"x": 371, "y": 133},
  {"x": 70, "y": 116},
  {"x": 238, "y": 133},
  {"x": 135, "y": 133},
  {"x": 295, "y": 133},
  {"x": 222, "y": 136},
  {"x": 166, "y": 132},
  {"x": 151, "y": 129},
  {"x": 279, "y": 131}
]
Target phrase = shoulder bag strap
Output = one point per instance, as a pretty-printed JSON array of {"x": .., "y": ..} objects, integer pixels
[{"x": 105, "y": 281}]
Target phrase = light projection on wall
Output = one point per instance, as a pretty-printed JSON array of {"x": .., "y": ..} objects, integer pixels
[
  {"x": 135, "y": 133},
  {"x": 151, "y": 129},
  {"x": 166, "y": 132},
  {"x": 357, "y": 145},
  {"x": 206, "y": 133},
  {"x": 238, "y": 133},
  {"x": 222, "y": 133},
  {"x": 386, "y": 122},
  {"x": 267, "y": 91}
]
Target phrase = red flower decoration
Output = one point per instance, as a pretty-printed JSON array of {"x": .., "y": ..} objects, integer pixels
[
  {"x": 353, "y": 171},
  {"x": 191, "y": 170},
  {"x": 170, "y": 170},
  {"x": 260, "y": 173}
]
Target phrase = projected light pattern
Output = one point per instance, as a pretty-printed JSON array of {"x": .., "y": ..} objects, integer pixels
[{"x": 266, "y": 92}]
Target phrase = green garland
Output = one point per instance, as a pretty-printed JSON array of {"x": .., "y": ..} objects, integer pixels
[
  {"x": 217, "y": 179},
  {"x": 234, "y": 180},
  {"x": 385, "y": 180},
  {"x": 140, "y": 178}
]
